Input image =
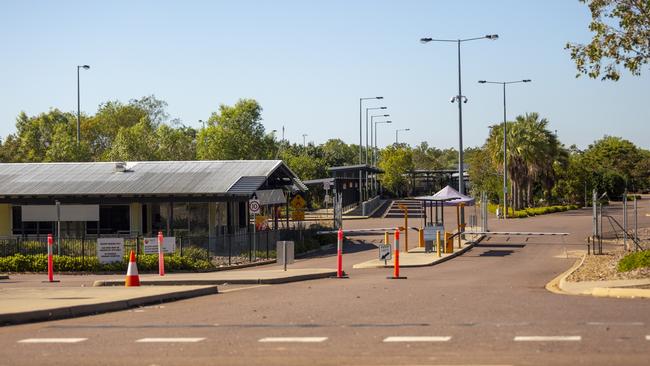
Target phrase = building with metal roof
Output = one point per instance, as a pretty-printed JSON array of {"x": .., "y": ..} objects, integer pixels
[{"x": 139, "y": 198}]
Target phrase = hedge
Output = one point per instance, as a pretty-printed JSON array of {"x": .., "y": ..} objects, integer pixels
[
  {"x": 146, "y": 262},
  {"x": 634, "y": 261},
  {"x": 533, "y": 211}
]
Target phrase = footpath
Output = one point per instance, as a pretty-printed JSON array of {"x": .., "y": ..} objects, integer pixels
[{"x": 33, "y": 301}]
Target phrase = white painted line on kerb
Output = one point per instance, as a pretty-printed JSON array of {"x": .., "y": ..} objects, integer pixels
[
  {"x": 170, "y": 340},
  {"x": 52, "y": 340},
  {"x": 293, "y": 340},
  {"x": 416, "y": 339},
  {"x": 547, "y": 338}
]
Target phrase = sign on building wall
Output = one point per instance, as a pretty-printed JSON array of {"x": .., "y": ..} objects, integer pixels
[
  {"x": 151, "y": 245},
  {"x": 110, "y": 250},
  {"x": 68, "y": 213}
]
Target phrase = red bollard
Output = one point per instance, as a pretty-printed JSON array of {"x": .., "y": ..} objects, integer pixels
[
  {"x": 161, "y": 254},
  {"x": 50, "y": 261},
  {"x": 396, "y": 275},
  {"x": 339, "y": 256}
]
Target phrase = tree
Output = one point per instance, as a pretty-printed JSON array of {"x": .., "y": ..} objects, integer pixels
[
  {"x": 396, "y": 161},
  {"x": 338, "y": 153},
  {"x": 621, "y": 32},
  {"x": 236, "y": 133}
]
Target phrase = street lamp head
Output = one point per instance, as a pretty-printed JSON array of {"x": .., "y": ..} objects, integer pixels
[
  {"x": 452, "y": 100},
  {"x": 388, "y": 121},
  {"x": 379, "y": 97},
  {"x": 86, "y": 67},
  {"x": 493, "y": 37},
  {"x": 526, "y": 80},
  {"x": 407, "y": 129},
  {"x": 425, "y": 40},
  {"x": 386, "y": 115},
  {"x": 383, "y": 107},
  {"x": 482, "y": 81},
  {"x": 465, "y": 100}
]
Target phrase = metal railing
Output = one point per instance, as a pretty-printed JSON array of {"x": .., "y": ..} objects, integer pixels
[{"x": 230, "y": 249}]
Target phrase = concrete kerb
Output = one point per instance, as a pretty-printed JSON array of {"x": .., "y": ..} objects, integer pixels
[
  {"x": 254, "y": 280},
  {"x": 104, "y": 307},
  {"x": 559, "y": 285},
  {"x": 4, "y": 277},
  {"x": 436, "y": 260}
]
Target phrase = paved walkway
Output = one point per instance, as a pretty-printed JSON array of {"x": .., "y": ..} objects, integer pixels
[{"x": 416, "y": 257}]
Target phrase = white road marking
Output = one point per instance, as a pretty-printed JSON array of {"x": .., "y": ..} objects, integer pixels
[
  {"x": 647, "y": 338},
  {"x": 416, "y": 339},
  {"x": 293, "y": 340},
  {"x": 170, "y": 340},
  {"x": 547, "y": 338},
  {"x": 617, "y": 323},
  {"x": 52, "y": 340}
]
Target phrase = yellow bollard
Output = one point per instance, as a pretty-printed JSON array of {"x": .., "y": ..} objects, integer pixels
[
  {"x": 438, "y": 243},
  {"x": 386, "y": 238},
  {"x": 421, "y": 238},
  {"x": 449, "y": 242}
]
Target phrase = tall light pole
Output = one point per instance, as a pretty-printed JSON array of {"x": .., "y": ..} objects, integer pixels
[
  {"x": 461, "y": 181},
  {"x": 505, "y": 139},
  {"x": 397, "y": 134},
  {"x": 376, "y": 132},
  {"x": 367, "y": 129},
  {"x": 375, "y": 150},
  {"x": 85, "y": 67},
  {"x": 372, "y": 133},
  {"x": 304, "y": 144},
  {"x": 361, "y": 142}
]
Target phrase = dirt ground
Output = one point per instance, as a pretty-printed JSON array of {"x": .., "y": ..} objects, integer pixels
[{"x": 604, "y": 267}]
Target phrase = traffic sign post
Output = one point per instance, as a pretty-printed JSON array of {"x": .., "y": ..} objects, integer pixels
[
  {"x": 384, "y": 253},
  {"x": 254, "y": 208}
]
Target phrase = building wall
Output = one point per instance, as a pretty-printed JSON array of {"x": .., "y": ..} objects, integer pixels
[{"x": 5, "y": 219}]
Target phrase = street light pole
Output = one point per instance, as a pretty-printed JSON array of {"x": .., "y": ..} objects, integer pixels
[
  {"x": 85, "y": 67},
  {"x": 461, "y": 175},
  {"x": 375, "y": 150},
  {"x": 304, "y": 144},
  {"x": 361, "y": 143},
  {"x": 397, "y": 134},
  {"x": 505, "y": 140}
]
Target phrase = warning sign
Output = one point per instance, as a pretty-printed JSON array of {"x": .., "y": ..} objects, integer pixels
[
  {"x": 110, "y": 250},
  {"x": 298, "y": 208},
  {"x": 151, "y": 245}
]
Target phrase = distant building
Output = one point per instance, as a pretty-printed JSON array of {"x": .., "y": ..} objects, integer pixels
[{"x": 140, "y": 198}]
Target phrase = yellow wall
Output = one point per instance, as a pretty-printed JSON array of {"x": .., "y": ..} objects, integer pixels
[
  {"x": 5, "y": 219},
  {"x": 136, "y": 217}
]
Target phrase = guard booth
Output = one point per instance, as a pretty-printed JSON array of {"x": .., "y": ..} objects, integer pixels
[{"x": 433, "y": 210}]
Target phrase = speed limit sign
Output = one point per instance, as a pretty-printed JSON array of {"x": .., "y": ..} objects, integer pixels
[{"x": 254, "y": 206}]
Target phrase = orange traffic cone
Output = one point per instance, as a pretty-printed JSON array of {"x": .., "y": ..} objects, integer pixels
[{"x": 132, "y": 277}]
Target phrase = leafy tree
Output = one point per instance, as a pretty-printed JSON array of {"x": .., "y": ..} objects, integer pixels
[
  {"x": 236, "y": 133},
  {"x": 621, "y": 32},
  {"x": 338, "y": 153},
  {"x": 396, "y": 161},
  {"x": 101, "y": 130},
  {"x": 64, "y": 146},
  {"x": 134, "y": 143},
  {"x": 175, "y": 143}
]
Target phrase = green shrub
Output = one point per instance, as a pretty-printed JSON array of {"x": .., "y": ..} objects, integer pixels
[
  {"x": 634, "y": 261},
  {"x": 146, "y": 262}
]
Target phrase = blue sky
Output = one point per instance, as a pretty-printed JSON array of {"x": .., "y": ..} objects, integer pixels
[{"x": 308, "y": 62}]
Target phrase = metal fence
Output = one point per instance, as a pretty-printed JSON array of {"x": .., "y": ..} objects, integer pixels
[{"x": 228, "y": 249}]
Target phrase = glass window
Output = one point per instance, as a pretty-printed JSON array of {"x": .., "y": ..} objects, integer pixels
[
  {"x": 180, "y": 225},
  {"x": 159, "y": 215},
  {"x": 199, "y": 215}
]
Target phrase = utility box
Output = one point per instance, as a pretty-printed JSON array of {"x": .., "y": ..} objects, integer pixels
[{"x": 285, "y": 252}]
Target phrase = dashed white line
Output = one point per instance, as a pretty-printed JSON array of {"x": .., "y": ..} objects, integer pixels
[
  {"x": 170, "y": 340},
  {"x": 52, "y": 340},
  {"x": 293, "y": 340},
  {"x": 547, "y": 338},
  {"x": 416, "y": 339}
]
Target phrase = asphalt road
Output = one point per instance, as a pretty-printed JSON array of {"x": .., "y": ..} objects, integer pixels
[{"x": 488, "y": 306}]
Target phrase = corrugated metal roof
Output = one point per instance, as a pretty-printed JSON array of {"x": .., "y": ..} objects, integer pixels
[{"x": 147, "y": 177}]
